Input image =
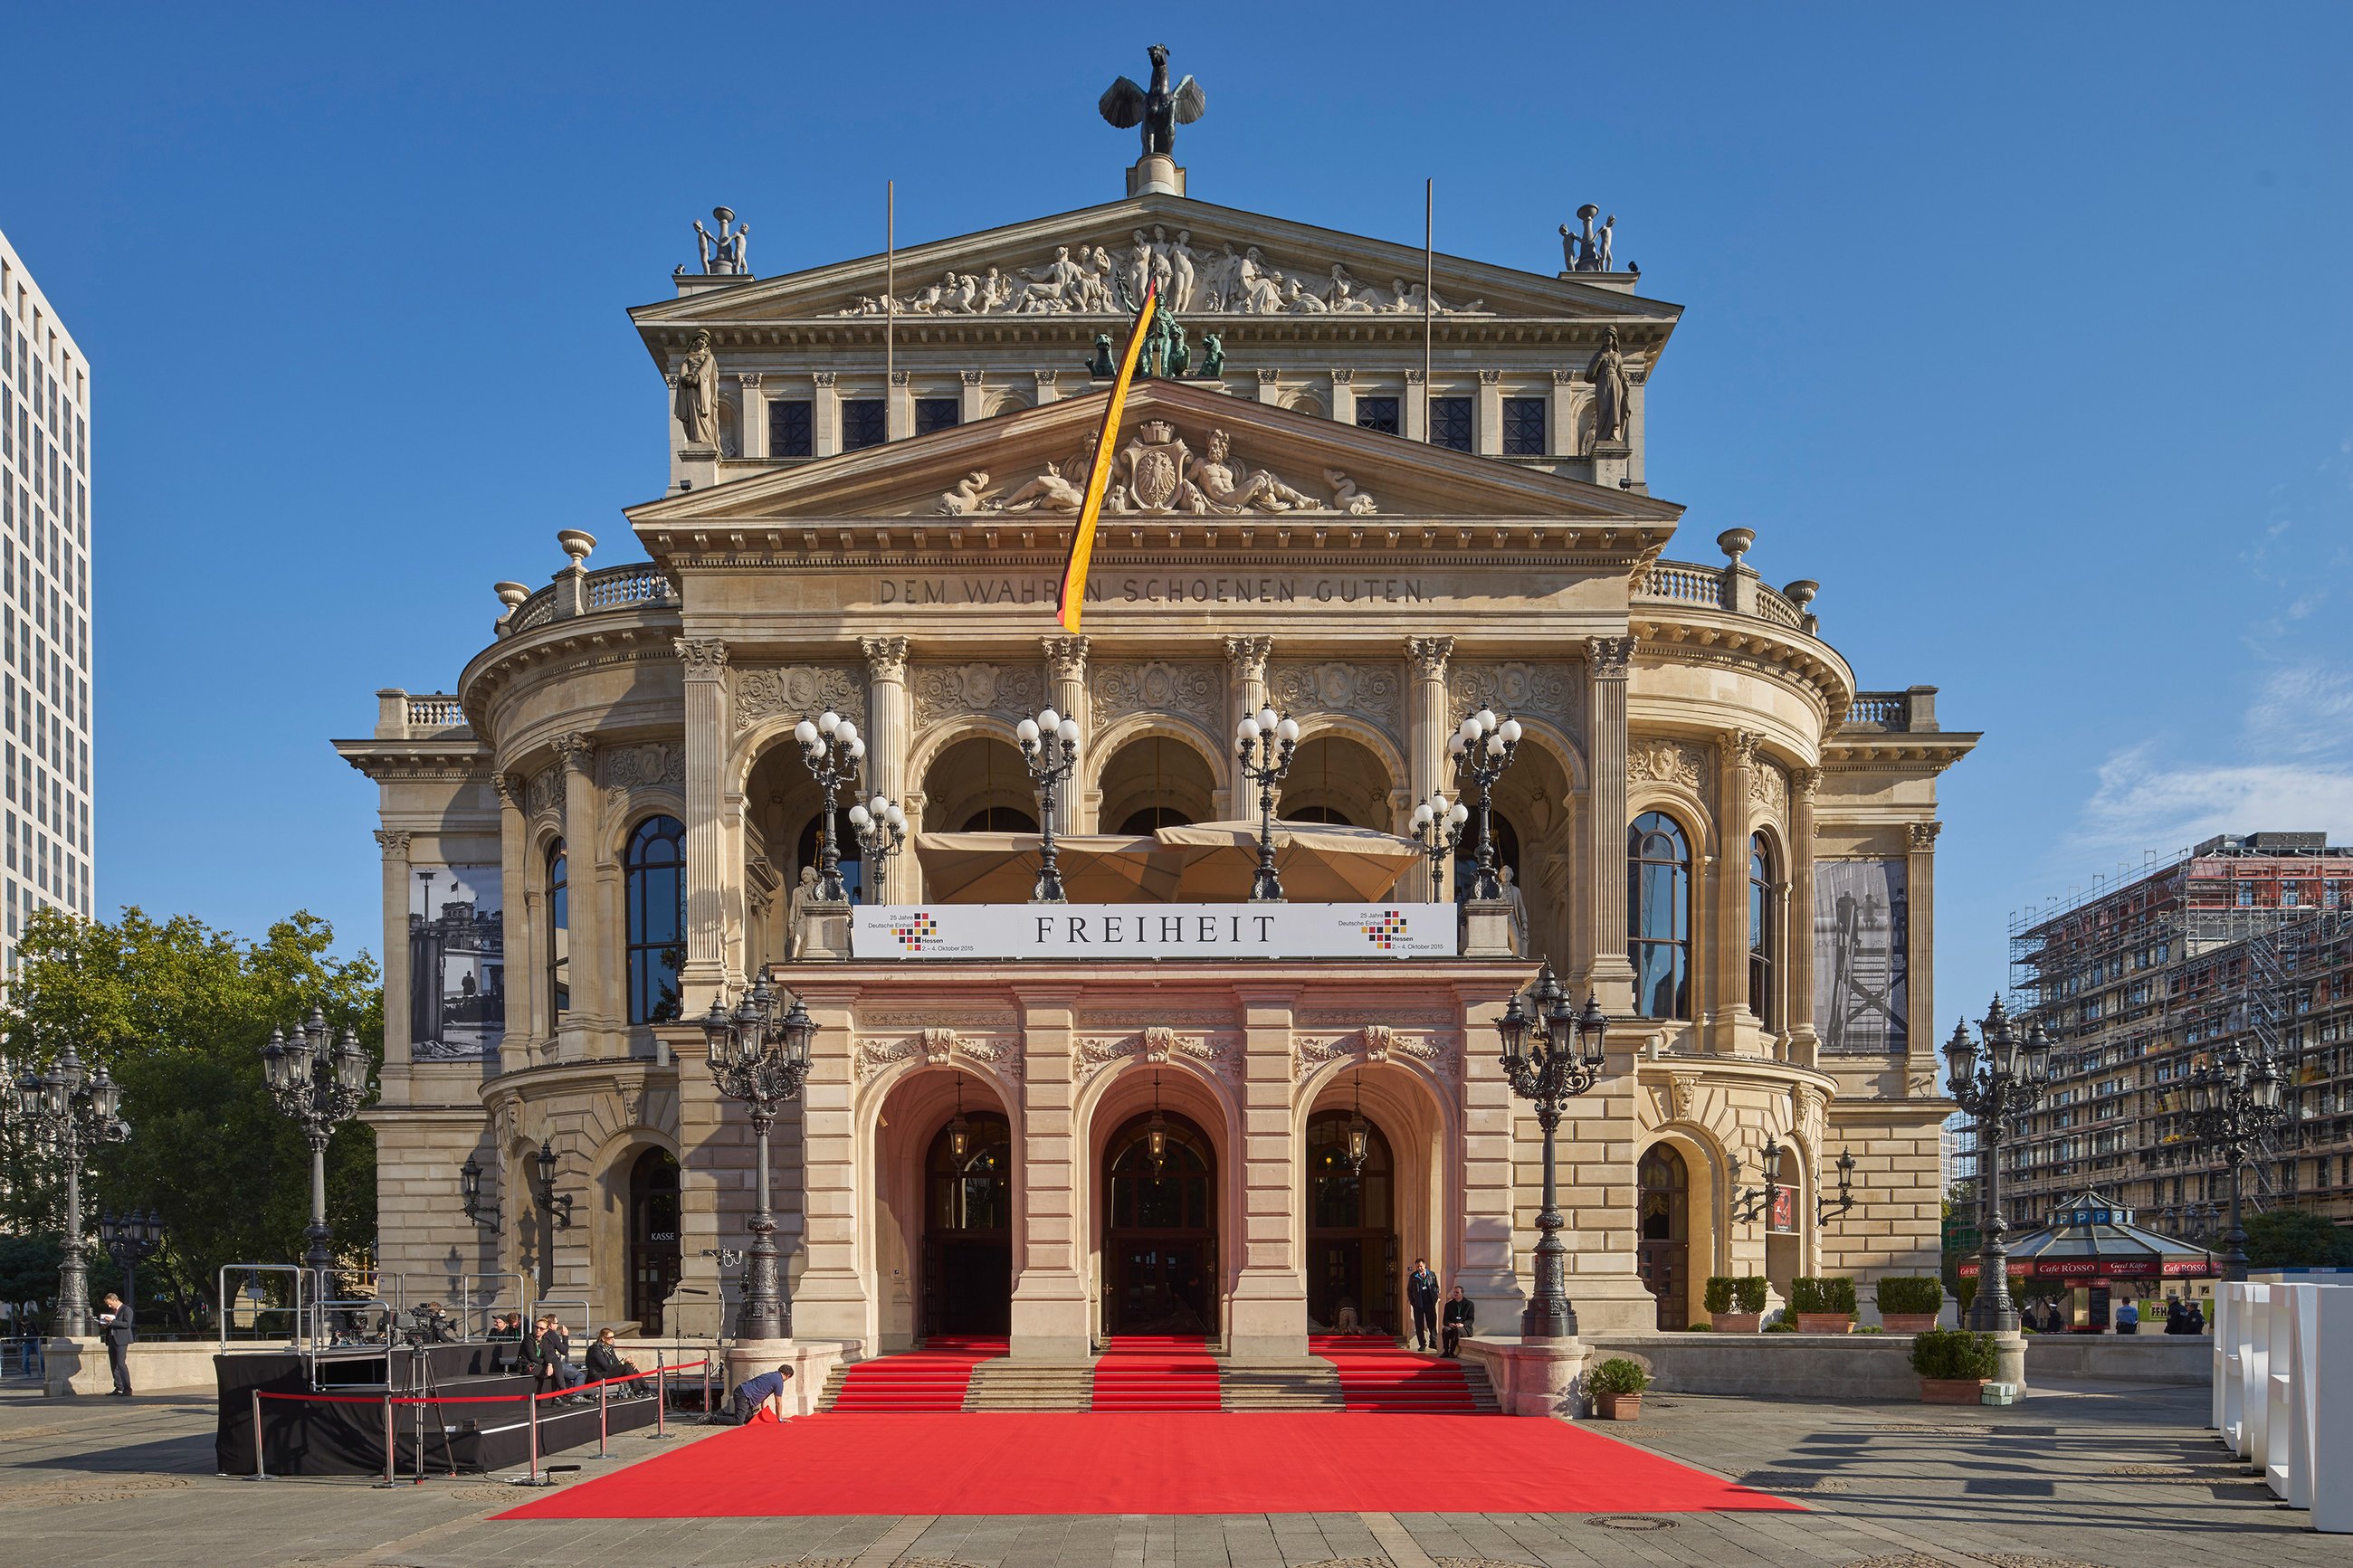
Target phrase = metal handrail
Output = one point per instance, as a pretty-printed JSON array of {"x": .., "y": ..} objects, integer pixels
[
  {"x": 466, "y": 1295},
  {"x": 222, "y": 1296}
]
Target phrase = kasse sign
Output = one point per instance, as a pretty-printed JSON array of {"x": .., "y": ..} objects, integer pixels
[{"x": 1152, "y": 931}]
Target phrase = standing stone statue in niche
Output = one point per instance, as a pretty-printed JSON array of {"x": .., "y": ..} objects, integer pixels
[
  {"x": 1607, "y": 374},
  {"x": 697, "y": 394},
  {"x": 725, "y": 253},
  {"x": 1588, "y": 250},
  {"x": 1158, "y": 108}
]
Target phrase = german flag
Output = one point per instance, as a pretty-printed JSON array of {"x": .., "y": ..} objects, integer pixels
[{"x": 1072, "y": 594}]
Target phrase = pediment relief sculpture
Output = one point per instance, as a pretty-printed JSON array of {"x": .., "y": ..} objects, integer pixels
[
  {"x": 1158, "y": 474},
  {"x": 1205, "y": 277}
]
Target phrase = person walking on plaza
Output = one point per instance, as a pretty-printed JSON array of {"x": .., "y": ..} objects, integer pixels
[
  {"x": 743, "y": 1405},
  {"x": 116, "y": 1324},
  {"x": 1462, "y": 1318},
  {"x": 2176, "y": 1316},
  {"x": 2128, "y": 1317},
  {"x": 1421, "y": 1291}
]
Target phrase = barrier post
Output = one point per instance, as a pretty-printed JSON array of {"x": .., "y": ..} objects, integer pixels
[
  {"x": 533, "y": 1397},
  {"x": 706, "y": 1385},
  {"x": 661, "y": 1396},
  {"x": 388, "y": 1440},
  {"x": 260, "y": 1471},
  {"x": 604, "y": 1386}
]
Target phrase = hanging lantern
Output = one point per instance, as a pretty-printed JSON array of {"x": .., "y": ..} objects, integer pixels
[
  {"x": 1360, "y": 1132},
  {"x": 959, "y": 1131},
  {"x": 1156, "y": 1132}
]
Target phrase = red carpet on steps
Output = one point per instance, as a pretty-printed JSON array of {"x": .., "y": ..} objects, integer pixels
[
  {"x": 1156, "y": 1372},
  {"x": 932, "y": 1378},
  {"x": 1377, "y": 1375},
  {"x": 1101, "y": 1463}
]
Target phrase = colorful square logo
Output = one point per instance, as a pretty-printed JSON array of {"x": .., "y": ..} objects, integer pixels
[
  {"x": 916, "y": 930},
  {"x": 1388, "y": 930}
]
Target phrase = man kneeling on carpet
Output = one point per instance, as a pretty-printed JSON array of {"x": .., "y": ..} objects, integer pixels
[
  {"x": 753, "y": 1393},
  {"x": 605, "y": 1363}
]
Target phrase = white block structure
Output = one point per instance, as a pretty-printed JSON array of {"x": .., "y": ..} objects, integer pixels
[{"x": 2330, "y": 1401}]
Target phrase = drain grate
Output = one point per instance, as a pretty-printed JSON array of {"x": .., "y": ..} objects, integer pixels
[{"x": 1631, "y": 1521}]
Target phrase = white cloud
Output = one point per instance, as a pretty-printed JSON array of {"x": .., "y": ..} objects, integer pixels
[{"x": 2142, "y": 804}]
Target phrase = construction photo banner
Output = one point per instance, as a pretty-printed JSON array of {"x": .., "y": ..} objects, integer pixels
[
  {"x": 1152, "y": 931},
  {"x": 1862, "y": 955}
]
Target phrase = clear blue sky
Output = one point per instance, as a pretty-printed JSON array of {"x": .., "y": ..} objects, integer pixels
[{"x": 2024, "y": 329}]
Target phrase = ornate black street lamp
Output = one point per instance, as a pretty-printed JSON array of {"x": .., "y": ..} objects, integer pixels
[
  {"x": 881, "y": 828},
  {"x": 1996, "y": 1093},
  {"x": 556, "y": 1206},
  {"x": 1824, "y": 1208},
  {"x": 321, "y": 1082},
  {"x": 1748, "y": 1203},
  {"x": 831, "y": 747},
  {"x": 1264, "y": 742},
  {"x": 1438, "y": 828},
  {"x": 131, "y": 1239},
  {"x": 2236, "y": 1102},
  {"x": 1551, "y": 1055},
  {"x": 1049, "y": 745},
  {"x": 1482, "y": 749},
  {"x": 763, "y": 1061},
  {"x": 68, "y": 1114},
  {"x": 469, "y": 1188}
]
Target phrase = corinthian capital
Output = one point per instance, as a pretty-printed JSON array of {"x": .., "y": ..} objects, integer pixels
[
  {"x": 392, "y": 842},
  {"x": 576, "y": 751},
  {"x": 1924, "y": 833},
  {"x": 886, "y": 658},
  {"x": 1066, "y": 657},
  {"x": 1743, "y": 748},
  {"x": 1429, "y": 655},
  {"x": 1610, "y": 657},
  {"x": 1249, "y": 655},
  {"x": 1807, "y": 782},
  {"x": 703, "y": 657}
]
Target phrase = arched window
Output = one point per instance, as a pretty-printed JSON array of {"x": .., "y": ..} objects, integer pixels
[
  {"x": 1764, "y": 932},
  {"x": 559, "y": 929},
  {"x": 853, "y": 867},
  {"x": 1324, "y": 814},
  {"x": 1155, "y": 816},
  {"x": 655, "y": 870},
  {"x": 1000, "y": 819},
  {"x": 1658, "y": 916}
]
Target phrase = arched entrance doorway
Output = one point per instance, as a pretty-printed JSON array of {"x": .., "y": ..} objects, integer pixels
[
  {"x": 1160, "y": 1228},
  {"x": 653, "y": 1237},
  {"x": 1665, "y": 1259},
  {"x": 1352, "y": 1279},
  {"x": 967, "y": 1278}
]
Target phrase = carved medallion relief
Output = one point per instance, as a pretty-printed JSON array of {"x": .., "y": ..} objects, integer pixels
[
  {"x": 764, "y": 691},
  {"x": 939, "y": 692},
  {"x": 1197, "y": 691},
  {"x": 1373, "y": 692},
  {"x": 648, "y": 765},
  {"x": 1547, "y": 691},
  {"x": 1654, "y": 760}
]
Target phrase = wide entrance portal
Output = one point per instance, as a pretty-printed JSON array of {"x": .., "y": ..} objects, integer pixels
[
  {"x": 968, "y": 1227},
  {"x": 1160, "y": 1237},
  {"x": 1352, "y": 1282}
]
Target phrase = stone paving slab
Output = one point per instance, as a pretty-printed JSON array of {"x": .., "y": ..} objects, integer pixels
[{"x": 2112, "y": 1476}]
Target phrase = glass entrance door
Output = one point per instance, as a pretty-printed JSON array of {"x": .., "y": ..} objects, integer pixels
[{"x": 1160, "y": 1239}]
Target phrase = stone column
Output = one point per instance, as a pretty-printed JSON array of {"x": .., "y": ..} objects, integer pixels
[
  {"x": 968, "y": 396},
  {"x": 1636, "y": 393},
  {"x": 825, "y": 415},
  {"x": 1920, "y": 942},
  {"x": 525, "y": 959},
  {"x": 597, "y": 933},
  {"x": 751, "y": 418},
  {"x": 898, "y": 408},
  {"x": 1798, "y": 998},
  {"x": 1048, "y": 392},
  {"x": 1563, "y": 414},
  {"x": 1429, "y": 722},
  {"x": 1727, "y": 972},
  {"x": 887, "y": 743},
  {"x": 1066, "y": 677},
  {"x": 1050, "y": 1285},
  {"x": 395, "y": 845},
  {"x": 1343, "y": 396},
  {"x": 1270, "y": 1301},
  {"x": 1611, "y": 973},
  {"x": 1487, "y": 418},
  {"x": 1246, "y": 671},
  {"x": 705, "y": 659}
]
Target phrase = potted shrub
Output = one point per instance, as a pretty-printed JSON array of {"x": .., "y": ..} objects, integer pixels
[
  {"x": 1908, "y": 1304},
  {"x": 1823, "y": 1305},
  {"x": 1735, "y": 1304},
  {"x": 1617, "y": 1387},
  {"x": 1954, "y": 1365}
]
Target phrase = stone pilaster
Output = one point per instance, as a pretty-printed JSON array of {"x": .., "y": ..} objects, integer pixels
[
  {"x": 1487, "y": 416},
  {"x": 887, "y": 741},
  {"x": 1270, "y": 385},
  {"x": 525, "y": 959},
  {"x": 1049, "y": 1288},
  {"x": 1728, "y": 1002},
  {"x": 1799, "y": 927},
  {"x": 1246, "y": 682},
  {"x": 1066, "y": 677},
  {"x": 833, "y": 1189},
  {"x": 1608, "y": 661},
  {"x": 705, "y": 662},
  {"x": 1415, "y": 406},
  {"x": 825, "y": 414},
  {"x": 750, "y": 416},
  {"x": 395, "y": 845},
  {"x": 1920, "y": 942},
  {"x": 1047, "y": 391},
  {"x": 594, "y": 909},
  {"x": 1343, "y": 396},
  {"x": 1270, "y": 1301},
  {"x": 1563, "y": 412},
  {"x": 1429, "y": 722},
  {"x": 968, "y": 399},
  {"x": 899, "y": 408}
]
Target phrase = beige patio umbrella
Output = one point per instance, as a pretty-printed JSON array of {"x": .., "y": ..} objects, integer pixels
[
  {"x": 1002, "y": 868},
  {"x": 1319, "y": 862}
]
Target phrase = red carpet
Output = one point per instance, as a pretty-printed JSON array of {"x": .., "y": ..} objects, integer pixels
[
  {"x": 931, "y": 1379},
  {"x": 1377, "y": 1375},
  {"x": 1156, "y": 1372},
  {"x": 1101, "y": 1464}
]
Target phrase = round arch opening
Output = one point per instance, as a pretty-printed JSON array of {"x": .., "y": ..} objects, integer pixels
[
  {"x": 1353, "y": 1281},
  {"x": 1160, "y": 1228},
  {"x": 967, "y": 1266},
  {"x": 979, "y": 784},
  {"x": 654, "y": 1266},
  {"x": 1154, "y": 781},
  {"x": 1662, "y": 1223},
  {"x": 1335, "y": 779}
]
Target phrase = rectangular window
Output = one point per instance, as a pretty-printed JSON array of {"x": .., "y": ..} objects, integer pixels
[
  {"x": 1523, "y": 427},
  {"x": 937, "y": 413},
  {"x": 1450, "y": 423},
  {"x": 1378, "y": 414},
  {"x": 862, "y": 423},
  {"x": 792, "y": 428}
]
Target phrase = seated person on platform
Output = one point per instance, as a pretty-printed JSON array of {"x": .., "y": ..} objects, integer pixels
[
  {"x": 555, "y": 1368},
  {"x": 1461, "y": 1318},
  {"x": 750, "y": 1394},
  {"x": 605, "y": 1362}
]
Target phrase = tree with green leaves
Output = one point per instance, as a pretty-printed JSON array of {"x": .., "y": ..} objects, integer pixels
[
  {"x": 2298, "y": 1238},
  {"x": 178, "y": 1012}
]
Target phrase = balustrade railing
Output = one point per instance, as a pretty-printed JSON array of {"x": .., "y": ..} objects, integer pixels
[
  {"x": 586, "y": 592},
  {"x": 1682, "y": 584},
  {"x": 434, "y": 711}
]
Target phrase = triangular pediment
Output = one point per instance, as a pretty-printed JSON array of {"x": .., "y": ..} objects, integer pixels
[
  {"x": 1211, "y": 260},
  {"x": 1186, "y": 454}
]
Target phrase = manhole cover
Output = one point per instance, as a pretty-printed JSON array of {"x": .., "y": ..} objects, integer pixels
[
  {"x": 1631, "y": 1521},
  {"x": 1792, "y": 1481}
]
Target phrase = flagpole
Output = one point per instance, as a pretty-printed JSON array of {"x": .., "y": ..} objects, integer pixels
[
  {"x": 890, "y": 286},
  {"x": 1428, "y": 284}
]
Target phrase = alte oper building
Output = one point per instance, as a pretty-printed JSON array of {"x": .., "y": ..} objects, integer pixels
[{"x": 1377, "y": 501}]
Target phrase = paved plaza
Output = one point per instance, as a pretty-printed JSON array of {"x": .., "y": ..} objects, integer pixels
[{"x": 2081, "y": 1474}]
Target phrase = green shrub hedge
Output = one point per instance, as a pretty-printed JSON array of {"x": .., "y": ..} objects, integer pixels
[
  {"x": 1831, "y": 1293},
  {"x": 1729, "y": 1293},
  {"x": 1954, "y": 1353},
  {"x": 1616, "y": 1375},
  {"x": 1910, "y": 1293}
]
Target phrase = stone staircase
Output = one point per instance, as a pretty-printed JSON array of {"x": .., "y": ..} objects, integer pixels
[
  {"x": 1482, "y": 1392},
  {"x": 1006, "y": 1384},
  {"x": 832, "y": 1389},
  {"x": 1302, "y": 1385}
]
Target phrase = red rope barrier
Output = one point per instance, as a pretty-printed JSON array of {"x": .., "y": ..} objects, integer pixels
[{"x": 663, "y": 1372}]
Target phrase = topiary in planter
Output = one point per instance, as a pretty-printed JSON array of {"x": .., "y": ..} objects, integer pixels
[
  {"x": 1952, "y": 1364},
  {"x": 1909, "y": 1303},
  {"x": 1616, "y": 1385},
  {"x": 1824, "y": 1304},
  {"x": 1733, "y": 1303}
]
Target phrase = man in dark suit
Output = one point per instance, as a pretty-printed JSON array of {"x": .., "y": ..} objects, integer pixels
[
  {"x": 1462, "y": 1318},
  {"x": 1421, "y": 1291},
  {"x": 116, "y": 1323}
]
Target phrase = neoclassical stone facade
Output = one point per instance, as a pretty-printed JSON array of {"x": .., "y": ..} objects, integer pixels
[{"x": 1710, "y": 826}]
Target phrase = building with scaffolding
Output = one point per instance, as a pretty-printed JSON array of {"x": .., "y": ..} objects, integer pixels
[{"x": 2141, "y": 981}]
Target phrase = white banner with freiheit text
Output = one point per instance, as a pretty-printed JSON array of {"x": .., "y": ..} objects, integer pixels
[{"x": 1152, "y": 931}]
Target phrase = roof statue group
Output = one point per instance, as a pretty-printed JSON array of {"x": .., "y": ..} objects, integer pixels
[{"x": 1158, "y": 474}]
